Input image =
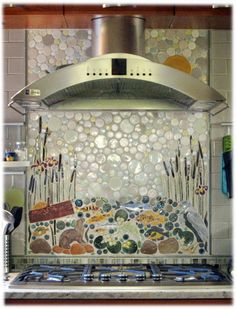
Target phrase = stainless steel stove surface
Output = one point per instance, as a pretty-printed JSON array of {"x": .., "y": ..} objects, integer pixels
[{"x": 46, "y": 276}]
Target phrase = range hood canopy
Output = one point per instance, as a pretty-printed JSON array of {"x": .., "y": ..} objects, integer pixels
[{"x": 118, "y": 81}]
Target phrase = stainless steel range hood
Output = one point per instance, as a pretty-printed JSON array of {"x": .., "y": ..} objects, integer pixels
[{"x": 118, "y": 81}]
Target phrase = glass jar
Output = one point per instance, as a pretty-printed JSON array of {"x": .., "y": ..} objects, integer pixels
[{"x": 21, "y": 151}]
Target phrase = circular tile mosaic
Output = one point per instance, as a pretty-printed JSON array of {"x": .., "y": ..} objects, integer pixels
[
  {"x": 133, "y": 156},
  {"x": 48, "y": 49}
]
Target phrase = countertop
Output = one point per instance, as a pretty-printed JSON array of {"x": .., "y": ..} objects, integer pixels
[{"x": 102, "y": 292}]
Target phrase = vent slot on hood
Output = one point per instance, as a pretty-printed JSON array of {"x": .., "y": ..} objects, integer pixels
[{"x": 118, "y": 88}]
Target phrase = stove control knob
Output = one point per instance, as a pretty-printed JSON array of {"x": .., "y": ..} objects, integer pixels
[
  {"x": 87, "y": 277},
  {"x": 122, "y": 277},
  {"x": 140, "y": 277},
  {"x": 105, "y": 277},
  {"x": 156, "y": 277}
]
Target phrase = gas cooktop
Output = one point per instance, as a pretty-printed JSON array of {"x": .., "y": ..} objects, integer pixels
[{"x": 46, "y": 276}]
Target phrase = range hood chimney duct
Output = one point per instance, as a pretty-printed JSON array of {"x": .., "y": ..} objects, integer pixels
[{"x": 118, "y": 34}]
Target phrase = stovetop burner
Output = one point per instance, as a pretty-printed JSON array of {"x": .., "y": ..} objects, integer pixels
[{"x": 122, "y": 275}]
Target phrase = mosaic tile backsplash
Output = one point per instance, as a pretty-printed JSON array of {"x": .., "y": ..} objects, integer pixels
[
  {"x": 118, "y": 183},
  {"x": 185, "y": 49}
]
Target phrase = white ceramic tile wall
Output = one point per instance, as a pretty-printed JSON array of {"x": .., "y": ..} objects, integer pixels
[
  {"x": 14, "y": 69},
  {"x": 220, "y": 79},
  {"x": 14, "y": 80}
]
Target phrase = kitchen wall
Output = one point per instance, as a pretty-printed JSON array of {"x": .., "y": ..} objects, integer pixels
[
  {"x": 14, "y": 78},
  {"x": 220, "y": 223},
  {"x": 220, "y": 79},
  {"x": 14, "y": 65}
]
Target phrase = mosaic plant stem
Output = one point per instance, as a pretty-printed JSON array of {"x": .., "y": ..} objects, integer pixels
[
  {"x": 197, "y": 184},
  {"x": 45, "y": 184},
  {"x": 52, "y": 186},
  {"x": 197, "y": 179},
  {"x": 191, "y": 187},
  {"x": 55, "y": 231},
  {"x": 57, "y": 187},
  {"x": 197, "y": 158},
  {"x": 204, "y": 205},
  {"x": 178, "y": 171},
  {"x": 182, "y": 170},
  {"x": 189, "y": 182},
  {"x": 186, "y": 171},
  {"x": 40, "y": 186},
  {"x": 40, "y": 124},
  {"x": 180, "y": 184},
  {"x": 168, "y": 187},
  {"x": 165, "y": 185},
  {"x": 55, "y": 184},
  {"x": 206, "y": 219},
  {"x": 49, "y": 185},
  {"x": 181, "y": 180},
  {"x": 32, "y": 191},
  {"x": 201, "y": 206},
  {"x": 37, "y": 151},
  {"x": 202, "y": 164},
  {"x": 71, "y": 181},
  {"x": 35, "y": 191},
  {"x": 63, "y": 182},
  {"x": 29, "y": 232},
  {"x": 40, "y": 154},
  {"x": 75, "y": 176},
  {"x": 177, "y": 176},
  {"x": 173, "y": 181},
  {"x": 39, "y": 139},
  {"x": 193, "y": 182},
  {"x": 30, "y": 188},
  {"x": 52, "y": 235},
  {"x": 177, "y": 187},
  {"x": 45, "y": 144},
  {"x": 185, "y": 176},
  {"x": 168, "y": 178},
  {"x": 202, "y": 178},
  {"x": 59, "y": 176},
  {"x": 75, "y": 185}
]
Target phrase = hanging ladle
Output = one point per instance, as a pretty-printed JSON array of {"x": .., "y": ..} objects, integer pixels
[{"x": 8, "y": 222}]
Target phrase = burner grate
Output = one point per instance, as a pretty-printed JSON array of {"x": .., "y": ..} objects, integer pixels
[{"x": 128, "y": 275}]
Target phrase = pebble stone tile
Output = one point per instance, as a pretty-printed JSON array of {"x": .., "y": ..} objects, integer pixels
[{"x": 52, "y": 48}]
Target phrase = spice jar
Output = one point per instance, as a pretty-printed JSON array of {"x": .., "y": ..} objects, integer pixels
[
  {"x": 21, "y": 151},
  {"x": 9, "y": 154}
]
